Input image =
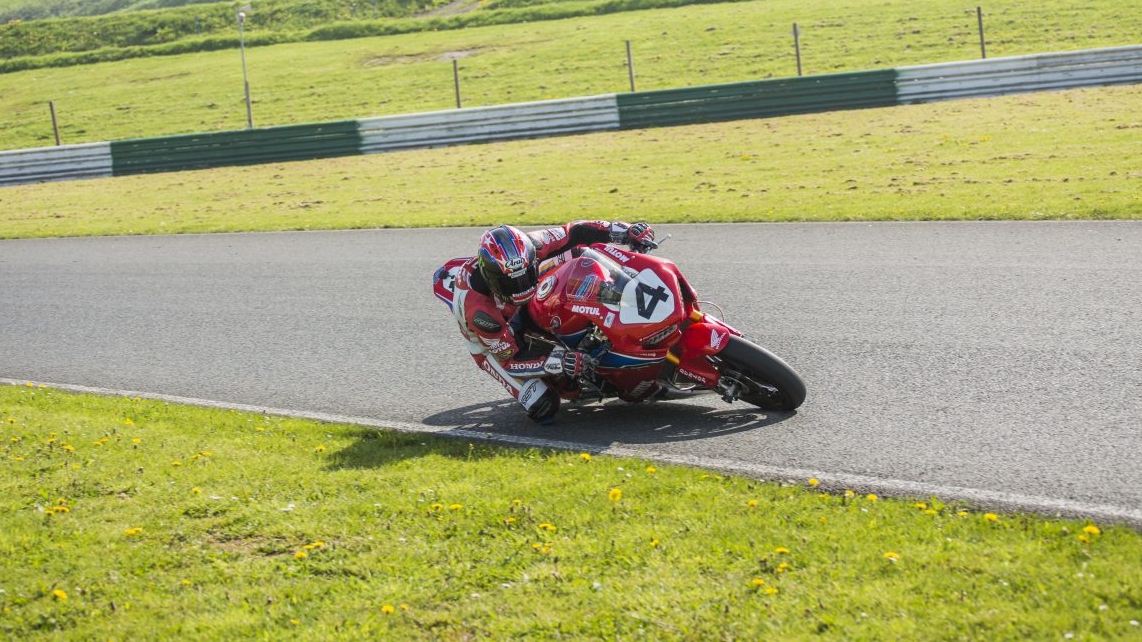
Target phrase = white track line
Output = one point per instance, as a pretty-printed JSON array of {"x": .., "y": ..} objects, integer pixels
[{"x": 829, "y": 481}]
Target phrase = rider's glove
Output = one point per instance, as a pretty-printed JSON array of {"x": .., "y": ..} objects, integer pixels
[
  {"x": 640, "y": 237},
  {"x": 575, "y": 364}
]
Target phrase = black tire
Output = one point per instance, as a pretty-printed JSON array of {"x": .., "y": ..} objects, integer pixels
[{"x": 770, "y": 383}]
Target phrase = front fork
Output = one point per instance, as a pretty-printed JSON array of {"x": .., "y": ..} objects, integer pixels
[{"x": 688, "y": 361}]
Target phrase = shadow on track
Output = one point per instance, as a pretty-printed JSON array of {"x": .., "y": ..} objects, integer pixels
[
  {"x": 604, "y": 424},
  {"x": 586, "y": 425}
]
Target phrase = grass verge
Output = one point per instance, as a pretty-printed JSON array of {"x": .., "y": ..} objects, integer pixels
[
  {"x": 1056, "y": 155},
  {"x": 131, "y": 518}
]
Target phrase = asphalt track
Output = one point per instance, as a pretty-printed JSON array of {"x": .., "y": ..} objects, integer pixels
[{"x": 997, "y": 362}]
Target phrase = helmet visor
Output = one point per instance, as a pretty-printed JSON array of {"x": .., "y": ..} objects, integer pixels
[{"x": 518, "y": 289}]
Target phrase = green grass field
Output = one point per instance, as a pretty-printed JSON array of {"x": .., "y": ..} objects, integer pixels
[
  {"x": 692, "y": 45},
  {"x": 1039, "y": 156},
  {"x": 135, "y": 519}
]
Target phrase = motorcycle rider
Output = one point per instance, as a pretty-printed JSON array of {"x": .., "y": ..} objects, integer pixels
[{"x": 490, "y": 296}]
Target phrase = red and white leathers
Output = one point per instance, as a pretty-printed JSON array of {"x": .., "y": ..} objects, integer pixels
[{"x": 486, "y": 321}]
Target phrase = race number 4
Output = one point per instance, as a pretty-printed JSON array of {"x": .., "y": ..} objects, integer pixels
[{"x": 646, "y": 299}]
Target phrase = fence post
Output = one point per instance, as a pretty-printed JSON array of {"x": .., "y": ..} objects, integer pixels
[
  {"x": 456, "y": 80},
  {"x": 630, "y": 67},
  {"x": 797, "y": 46},
  {"x": 979, "y": 19},
  {"x": 55, "y": 124}
]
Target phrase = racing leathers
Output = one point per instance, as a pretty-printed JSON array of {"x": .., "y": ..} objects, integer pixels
[{"x": 493, "y": 328}]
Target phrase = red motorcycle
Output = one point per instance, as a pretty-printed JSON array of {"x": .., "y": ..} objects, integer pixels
[{"x": 639, "y": 321}]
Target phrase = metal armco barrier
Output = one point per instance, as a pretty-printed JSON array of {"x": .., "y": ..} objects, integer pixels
[{"x": 690, "y": 105}]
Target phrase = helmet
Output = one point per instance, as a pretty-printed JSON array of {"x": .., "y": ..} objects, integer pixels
[{"x": 507, "y": 262}]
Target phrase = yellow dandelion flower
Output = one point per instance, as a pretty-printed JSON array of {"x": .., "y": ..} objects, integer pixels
[
  {"x": 814, "y": 482},
  {"x": 456, "y": 507},
  {"x": 319, "y": 449},
  {"x": 771, "y": 590},
  {"x": 991, "y": 517},
  {"x": 436, "y": 506},
  {"x": 757, "y": 581},
  {"x": 752, "y": 503},
  {"x": 920, "y": 506},
  {"x": 517, "y": 502},
  {"x": 301, "y": 555},
  {"x": 136, "y": 441},
  {"x": 585, "y": 456},
  {"x": 186, "y": 582},
  {"x": 931, "y": 511},
  {"x": 782, "y": 567},
  {"x": 962, "y": 513},
  {"x": 59, "y": 595},
  {"x": 892, "y": 557},
  {"x": 196, "y": 490},
  {"x": 781, "y": 550},
  {"x": 872, "y": 498},
  {"x": 295, "y": 622},
  {"x": 616, "y": 494},
  {"x": 11, "y": 420},
  {"x": 176, "y": 463},
  {"x": 128, "y": 422},
  {"x": 318, "y": 544},
  {"x": 849, "y": 494},
  {"x": 133, "y": 531},
  {"x": 1091, "y": 529},
  {"x": 654, "y": 543},
  {"x": 387, "y": 609},
  {"x": 547, "y": 527},
  {"x": 61, "y": 509},
  {"x": 651, "y": 469},
  {"x": 509, "y": 520},
  {"x": 404, "y": 607},
  {"x": 1084, "y": 538}
]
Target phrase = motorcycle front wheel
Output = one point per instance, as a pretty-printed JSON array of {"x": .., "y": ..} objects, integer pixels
[{"x": 763, "y": 379}]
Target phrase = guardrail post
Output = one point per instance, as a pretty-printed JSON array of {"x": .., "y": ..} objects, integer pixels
[
  {"x": 456, "y": 80},
  {"x": 797, "y": 46},
  {"x": 55, "y": 124},
  {"x": 630, "y": 67},
  {"x": 982, "y": 43}
]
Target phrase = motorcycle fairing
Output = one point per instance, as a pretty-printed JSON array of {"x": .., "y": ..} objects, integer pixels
[{"x": 444, "y": 280}]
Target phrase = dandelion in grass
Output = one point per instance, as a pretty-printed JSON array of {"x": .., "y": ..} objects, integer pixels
[
  {"x": 782, "y": 567},
  {"x": 59, "y": 595},
  {"x": 757, "y": 582},
  {"x": 751, "y": 503},
  {"x": 849, "y": 494},
  {"x": 509, "y": 521},
  {"x": 771, "y": 590},
  {"x": 176, "y": 463},
  {"x": 616, "y": 494},
  {"x": 136, "y": 441},
  {"x": 455, "y": 507},
  {"x": 920, "y": 506},
  {"x": 931, "y": 511},
  {"x": 991, "y": 517},
  {"x": 781, "y": 550},
  {"x": 11, "y": 420},
  {"x": 404, "y": 607},
  {"x": 651, "y": 469},
  {"x": 654, "y": 543},
  {"x": 436, "y": 506},
  {"x": 134, "y": 531},
  {"x": 547, "y": 527},
  {"x": 300, "y": 555},
  {"x": 388, "y": 609},
  {"x": 962, "y": 513},
  {"x": 128, "y": 422},
  {"x": 872, "y": 498},
  {"x": 585, "y": 456},
  {"x": 1091, "y": 529},
  {"x": 892, "y": 557},
  {"x": 196, "y": 490},
  {"x": 814, "y": 482},
  {"x": 319, "y": 449}
]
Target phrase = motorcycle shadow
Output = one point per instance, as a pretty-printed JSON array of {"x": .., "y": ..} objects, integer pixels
[{"x": 611, "y": 421}]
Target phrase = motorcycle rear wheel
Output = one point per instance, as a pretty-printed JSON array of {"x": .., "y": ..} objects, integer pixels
[{"x": 768, "y": 382}]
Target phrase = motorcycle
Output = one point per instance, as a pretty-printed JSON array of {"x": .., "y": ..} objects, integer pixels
[{"x": 645, "y": 335}]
